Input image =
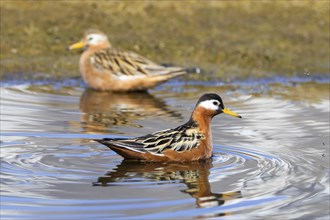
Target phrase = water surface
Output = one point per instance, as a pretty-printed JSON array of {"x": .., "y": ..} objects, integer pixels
[{"x": 273, "y": 162}]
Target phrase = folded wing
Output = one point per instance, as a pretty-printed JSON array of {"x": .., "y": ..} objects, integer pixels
[
  {"x": 126, "y": 63},
  {"x": 156, "y": 143}
]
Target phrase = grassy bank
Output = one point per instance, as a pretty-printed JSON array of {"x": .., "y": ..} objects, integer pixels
[{"x": 227, "y": 39}]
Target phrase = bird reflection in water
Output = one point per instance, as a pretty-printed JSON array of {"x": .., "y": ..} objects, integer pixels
[
  {"x": 103, "y": 110},
  {"x": 194, "y": 175}
]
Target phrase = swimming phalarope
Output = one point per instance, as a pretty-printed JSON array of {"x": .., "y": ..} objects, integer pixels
[
  {"x": 106, "y": 68},
  {"x": 189, "y": 142}
]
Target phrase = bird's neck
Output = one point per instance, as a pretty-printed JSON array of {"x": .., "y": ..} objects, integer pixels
[
  {"x": 89, "y": 51},
  {"x": 99, "y": 46},
  {"x": 203, "y": 118}
]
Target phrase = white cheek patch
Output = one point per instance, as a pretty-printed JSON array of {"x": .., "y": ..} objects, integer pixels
[
  {"x": 96, "y": 39},
  {"x": 208, "y": 104}
]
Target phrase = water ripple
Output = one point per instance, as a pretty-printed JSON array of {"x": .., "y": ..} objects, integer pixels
[{"x": 274, "y": 162}]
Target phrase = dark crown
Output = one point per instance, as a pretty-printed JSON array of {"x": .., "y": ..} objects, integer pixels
[{"x": 211, "y": 96}]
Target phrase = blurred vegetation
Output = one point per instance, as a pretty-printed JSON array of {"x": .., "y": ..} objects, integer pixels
[{"x": 227, "y": 39}]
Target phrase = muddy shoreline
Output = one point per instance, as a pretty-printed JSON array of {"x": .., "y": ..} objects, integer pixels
[{"x": 227, "y": 40}]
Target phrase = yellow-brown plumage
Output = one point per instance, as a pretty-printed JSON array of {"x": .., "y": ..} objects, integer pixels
[{"x": 108, "y": 69}]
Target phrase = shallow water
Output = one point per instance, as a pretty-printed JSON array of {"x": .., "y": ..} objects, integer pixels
[{"x": 273, "y": 162}]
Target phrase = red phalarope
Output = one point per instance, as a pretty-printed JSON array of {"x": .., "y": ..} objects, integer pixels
[
  {"x": 189, "y": 142},
  {"x": 108, "y": 69}
]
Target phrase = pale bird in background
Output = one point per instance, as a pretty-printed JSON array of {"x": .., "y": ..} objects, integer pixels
[{"x": 108, "y": 69}]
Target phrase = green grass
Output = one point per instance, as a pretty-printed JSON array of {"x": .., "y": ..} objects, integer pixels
[{"x": 228, "y": 39}]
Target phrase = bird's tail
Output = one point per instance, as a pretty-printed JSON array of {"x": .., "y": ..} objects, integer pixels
[
  {"x": 193, "y": 70},
  {"x": 182, "y": 70},
  {"x": 104, "y": 141},
  {"x": 189, "y": 70}
]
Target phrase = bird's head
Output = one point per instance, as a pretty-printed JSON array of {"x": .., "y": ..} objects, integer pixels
[
  {"x": 212, "y": 105},
  {"x": 92, "y": 38}
]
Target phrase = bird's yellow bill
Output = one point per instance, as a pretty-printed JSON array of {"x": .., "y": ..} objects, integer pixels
[
  {"x": 228, "y": 112},
  {"x": 77, "y": 45}
]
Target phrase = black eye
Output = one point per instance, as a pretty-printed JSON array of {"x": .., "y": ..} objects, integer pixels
[
  {"x": 215, "y": 103},
  {"x": 90, "y": 38}
]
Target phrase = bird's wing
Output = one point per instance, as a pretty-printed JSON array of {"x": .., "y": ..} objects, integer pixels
[
  {"x": 180, "y": 139},
  {"x": 174, "y": 139},
  {"x": 126, "y": 63}
]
